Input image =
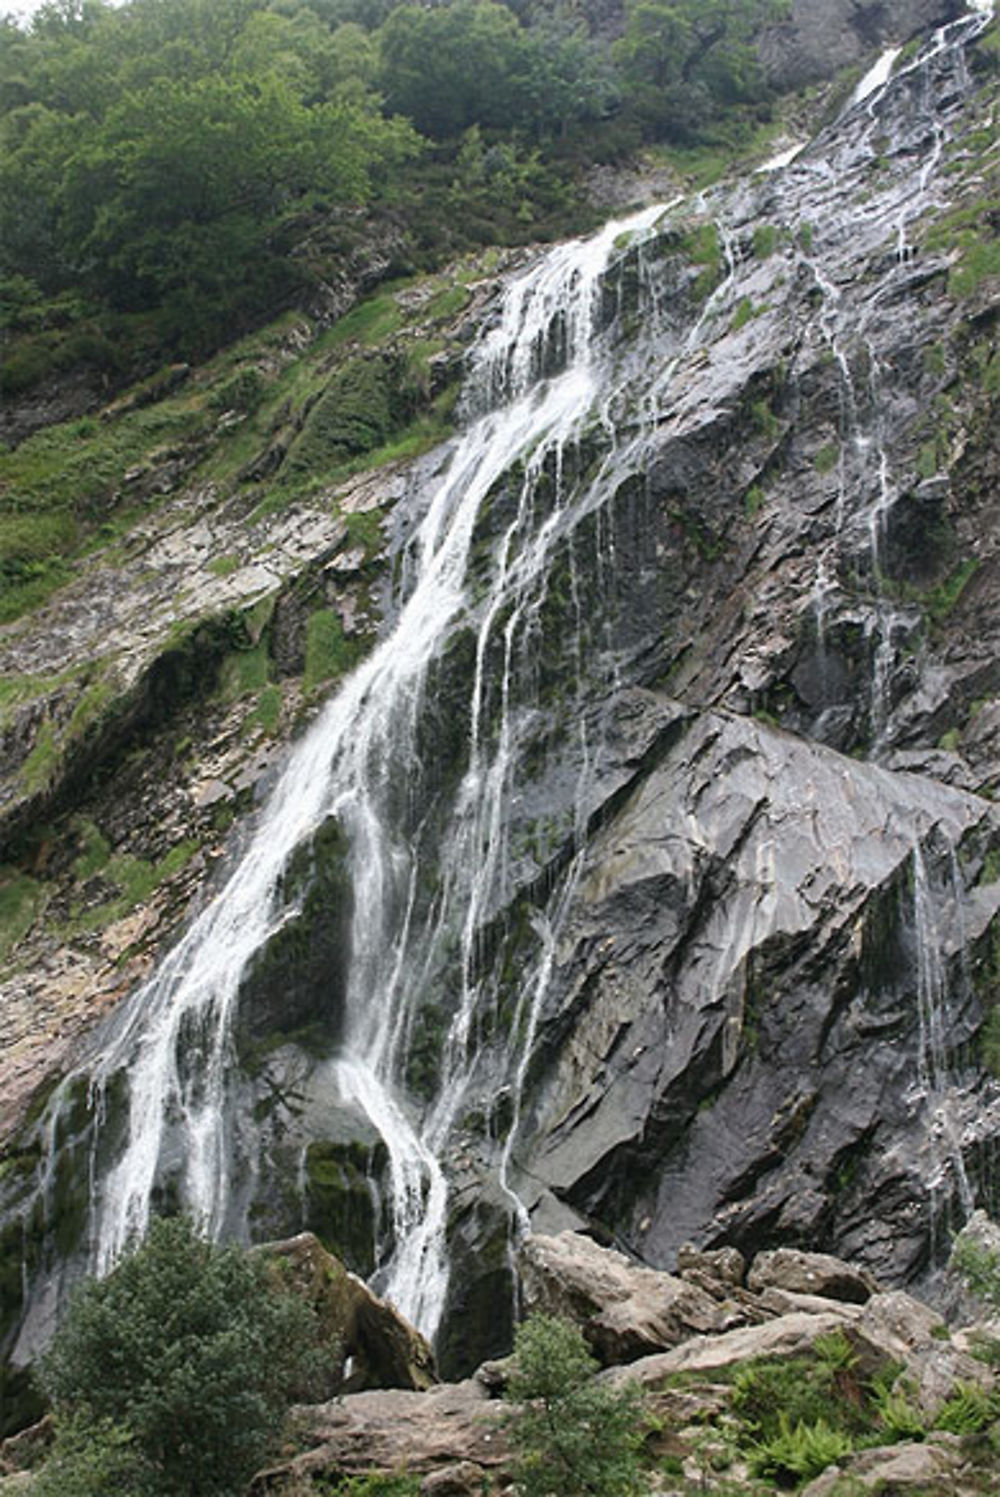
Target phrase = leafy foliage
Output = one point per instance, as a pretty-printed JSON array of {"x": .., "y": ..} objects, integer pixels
[
  {"x": 571, "y": 1435},
  {"x": 172, "y": 1375},
  {"x": 799, "y": 1453},
  {"x": 979, "y": 1266},
  {"x": 174, "y": 156}
]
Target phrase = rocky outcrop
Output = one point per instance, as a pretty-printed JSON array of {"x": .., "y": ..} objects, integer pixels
[
  {"x": 811, "y": 1273},
  {"x": 818, "y": 37},
  {"x": 694, "y": 1038},
  {"x": 452, "y": 1426},
  {"x": 624, "y": 1311},
  {"x": 365, "y": 1334}
]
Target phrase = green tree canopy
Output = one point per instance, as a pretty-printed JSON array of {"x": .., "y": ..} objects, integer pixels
[{"x": 181, "y": 1362}]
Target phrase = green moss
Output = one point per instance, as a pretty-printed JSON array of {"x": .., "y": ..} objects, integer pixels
[
  {"x": 701, "y": 246},
  {"x": 765, "y": 241},
  {"x": 244, "y": 671},
  {"x": 744, "y": 313},
  {"x": 764, "y": 419},
  {"x": 826, "y": 458},
  {"x": 224, "y": 566},
  {"x": 339, "y": 1206},
  {"x": 943, "y": 598},
  {"x": 95, "y": 850},
  {"x": 365, "y": 529},
  {"x": 447, "y": 303},
  {"x": 267, "y": 712},
  {"x": 39, "y": 768},
  {"x": 90, "y": 708},
  {"x": 927, "y": 460},
  {"x": 369, "y": 322},
  {"x": 329, "y": 654},
  {"x": 21, "y": 901},
  {"x": 135, "y": 879},
  {"x": 934, "y": 358},
  {"x": 806, "y": 235},
  {"x": 754, "y": 500}
]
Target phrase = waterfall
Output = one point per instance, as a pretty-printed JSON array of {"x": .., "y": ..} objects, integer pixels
[
  {"x": 548, "y": 377},
  {"x": 175, "y": 1040}
]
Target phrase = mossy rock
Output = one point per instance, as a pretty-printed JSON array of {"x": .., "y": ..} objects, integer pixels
[
  {"x": 296, "y": 985},
  {"x": 478, "y": 1321},
  {"x": 341, "y": 1197}
]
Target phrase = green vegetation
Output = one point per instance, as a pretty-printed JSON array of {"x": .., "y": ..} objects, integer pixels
[
  {"x": 979, "y": 1266},
  {"x": 135, "y": 879},
  {"x": 571, "y": 1435},
  {"x": 328, "y": 653},
  {"x": 826, "y": 458},
  {"x": 171, "y": 172},
  {"x": 171, "y": 1377},
  {"x": 765, "y": 240},
  {"x": 21, "y": 901}
]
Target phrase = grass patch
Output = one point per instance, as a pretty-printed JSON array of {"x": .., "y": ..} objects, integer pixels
[
  {"x": 267, "y": 712},
  {"x": 826, "y": 458},
  {"x": 39, "y": 768},
  {"x": 329, "y": 654},
  {"x": 765, "y": 241},
  {"x": 942, "y": 599},
  {"x": 21, "y": 901},
  {"x": 224, "y": 566},
  {"x": 244, "y": 671},
  {"x": 135, "y": 879},
  {"x": 370, "y": 321}
]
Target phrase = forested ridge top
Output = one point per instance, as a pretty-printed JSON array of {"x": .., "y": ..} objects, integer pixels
[{"x": 168, "y": 165}]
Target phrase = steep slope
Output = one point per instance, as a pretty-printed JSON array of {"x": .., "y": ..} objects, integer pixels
[{"x": 645, "y": 875}]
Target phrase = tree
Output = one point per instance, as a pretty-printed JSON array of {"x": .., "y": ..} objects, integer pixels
[
  {"x": 571, "y": 1434},
  {"x": 684, "y": 60},
  {"x": 178, "y": 1367}
]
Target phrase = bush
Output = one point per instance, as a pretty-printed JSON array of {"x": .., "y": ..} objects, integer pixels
[
  {"x": 179, "y": 1366},
  {"x": 571, "y": 1435},
  {"x": 798, "y": 1454}
]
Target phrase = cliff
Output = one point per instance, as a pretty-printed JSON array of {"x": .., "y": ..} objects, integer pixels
[{"x": 644, "y": 872}]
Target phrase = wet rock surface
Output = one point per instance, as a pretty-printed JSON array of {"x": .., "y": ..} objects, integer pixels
[{"x": 752, "y": 778}]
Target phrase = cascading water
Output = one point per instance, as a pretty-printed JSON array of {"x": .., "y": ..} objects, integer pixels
[
  {"x": 176, "y": 1039},
  {"x": 550, "y": 380}
]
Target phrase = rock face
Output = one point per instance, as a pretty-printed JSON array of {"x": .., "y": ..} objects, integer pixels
[
  {"x": 624, "y": 1311},
  {"x": 819, "y": 36},
  {"x": 811, "y": 1273},
  {"x": 689, "y": 867}
]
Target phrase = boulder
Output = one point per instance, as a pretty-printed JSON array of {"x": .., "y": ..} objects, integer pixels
[
  {"x": 811, "y": 1273},
  {"x": 383, "y": 1349},
  {"x": 727, "y": 1264},
  {"x": 787, "y": 1336},
  {"x": 452, "y": 1426},
  {"x": 912, "y": 1333},
  {"x": 624, "y": 1311},
  {"x": 891, "y": 1468}
]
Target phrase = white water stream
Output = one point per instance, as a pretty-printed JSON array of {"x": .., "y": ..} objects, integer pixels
[{"x": 174, "y": 1040}]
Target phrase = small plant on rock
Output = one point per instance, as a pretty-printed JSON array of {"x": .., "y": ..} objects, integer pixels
[
  {"x": 796, "y": 1455},
  {"x": 571, "y": 1434}
]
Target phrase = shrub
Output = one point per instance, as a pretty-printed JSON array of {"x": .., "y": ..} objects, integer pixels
[
  {"x": 94, "y": 1460},
  {"x": 801, "y": 1453},
  {"x": 979, "y": 1266},
  {"x": 193, "y": 1352},
  {"x": 572, "y": 1434}
]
